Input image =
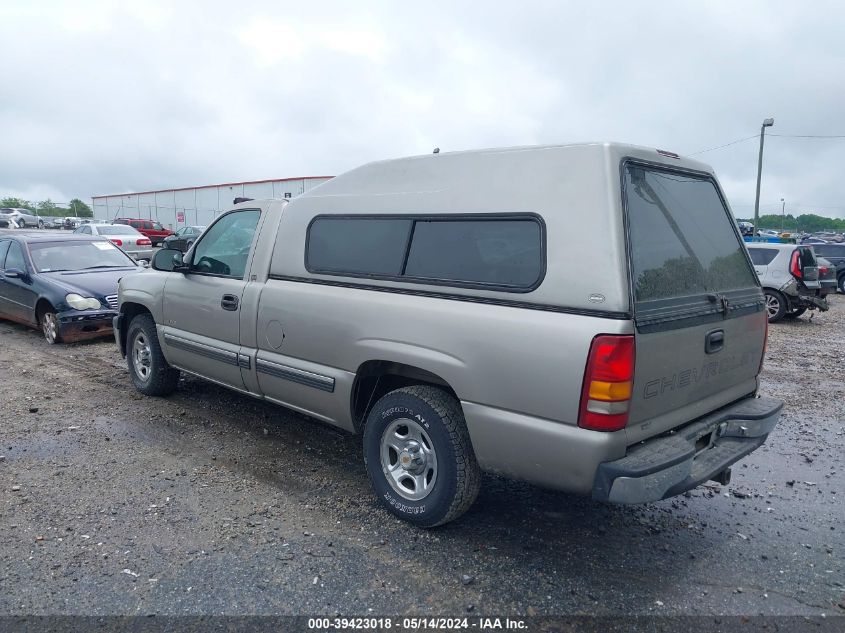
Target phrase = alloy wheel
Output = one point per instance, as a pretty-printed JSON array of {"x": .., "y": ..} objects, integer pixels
[
  {"x": 408, "y": 459},
  {"x": 772, "y": 305},
  {"x": 141, "y": 356},
  {"x": 50, "y": 327}
]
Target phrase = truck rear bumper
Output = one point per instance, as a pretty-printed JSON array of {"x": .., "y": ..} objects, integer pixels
[
  {"x": 543, "y": 452},
  {"x": 668, "y": 465}
]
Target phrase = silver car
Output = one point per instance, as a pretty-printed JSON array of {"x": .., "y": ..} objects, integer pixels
[
  {"x": 13, "y": 218},
  {"x": 133, "y": 243},
  {"x": 789, "y": 275}
]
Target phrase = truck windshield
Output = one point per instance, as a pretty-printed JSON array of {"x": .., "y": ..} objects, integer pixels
[
  {"x": 682, "y": 239},
  {"x": 54, "y": 256}
]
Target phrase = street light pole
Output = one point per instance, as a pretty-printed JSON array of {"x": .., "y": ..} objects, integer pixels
[
  {"x": 782, "y": 213},
  {"x": 766, "y": 123}
]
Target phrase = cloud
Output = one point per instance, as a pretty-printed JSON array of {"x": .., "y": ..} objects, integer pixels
[{"x": 105, "y": 97}]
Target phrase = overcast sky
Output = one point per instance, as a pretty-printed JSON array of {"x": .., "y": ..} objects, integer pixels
[{"x": 99, "y": 97}]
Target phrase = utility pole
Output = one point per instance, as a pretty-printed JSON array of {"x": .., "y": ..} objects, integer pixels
[
  {"x": 782, "y": 214},
  {"x": 766, "y": 123}
]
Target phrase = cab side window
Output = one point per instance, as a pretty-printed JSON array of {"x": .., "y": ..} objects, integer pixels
[
  {"x": 224, "y": 249},
  {"x": 4, "y": 248}
]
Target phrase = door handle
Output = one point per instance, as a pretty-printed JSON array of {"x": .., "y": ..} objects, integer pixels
[
  {"x": 229, "y": 302},
  {"x": 714, "y": 341}
]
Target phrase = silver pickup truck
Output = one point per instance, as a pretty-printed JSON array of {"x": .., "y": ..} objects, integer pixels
[{"x": 584, "y": 317}]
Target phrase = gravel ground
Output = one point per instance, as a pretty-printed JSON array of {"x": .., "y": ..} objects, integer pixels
[{"x": 113, "y": 503}]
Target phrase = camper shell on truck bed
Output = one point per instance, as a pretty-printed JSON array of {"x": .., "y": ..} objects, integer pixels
[{"x": 598, "y": 328}]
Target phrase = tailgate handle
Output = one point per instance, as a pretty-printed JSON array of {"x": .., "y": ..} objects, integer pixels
[{"x": 714, "y": 341}]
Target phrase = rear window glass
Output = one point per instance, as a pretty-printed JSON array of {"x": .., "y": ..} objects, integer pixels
[
  {"x": 807, "y": 256},
  {"x": 115, "y": 229},
  {"x": 683, "y": 241},
  {"x": 830, "y": 250},
  {"x": 485, "y": 252},
  {"x": 762, "y": 256}
]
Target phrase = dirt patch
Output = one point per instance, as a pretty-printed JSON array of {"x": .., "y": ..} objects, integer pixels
[{"x": 210, "y": 502}]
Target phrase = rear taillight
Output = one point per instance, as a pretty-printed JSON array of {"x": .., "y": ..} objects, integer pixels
[
  {"x": 822, "y": 271},
  {"x": 608, "y": 382},
  {"x": 144, "y": 242},
  {"x": 795, "y": 265},
  {"x": 116, "y": 242}
]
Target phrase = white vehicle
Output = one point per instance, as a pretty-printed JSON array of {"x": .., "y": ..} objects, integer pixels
[
  {"x": 789, "y": 275},
  {"x": 13, "y": 218},
  {"x": 133, "y": 243}
]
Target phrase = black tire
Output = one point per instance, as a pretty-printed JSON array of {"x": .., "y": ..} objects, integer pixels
[
  {"x": 775, "y": 305},
  {"x": 458, "y": 477},
  {"x": 21, "y": 224},
  {"x": 795, "y": 313},
  {"x": 842, "y": 284},
  {"x": 41, "y": 224},
  {"x": 161, "y": 379}
]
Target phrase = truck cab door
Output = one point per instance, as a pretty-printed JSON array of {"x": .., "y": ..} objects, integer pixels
[{"x": 201, "y": 304}]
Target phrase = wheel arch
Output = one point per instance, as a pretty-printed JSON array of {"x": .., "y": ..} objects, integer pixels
[
  {"x": 787, "y": 304},
  {"x": 41, "y": 306},
  {"x": 375, "y": 378},
  {"x": 129, "y": 311}
]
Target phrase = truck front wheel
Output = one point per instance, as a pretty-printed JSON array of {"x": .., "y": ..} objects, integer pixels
[
  {"x": 150, "y": 372},
  {"x": 419, "y": 457}
]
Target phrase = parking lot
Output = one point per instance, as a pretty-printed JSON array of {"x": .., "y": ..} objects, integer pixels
[{"x": 209, "y": 502}]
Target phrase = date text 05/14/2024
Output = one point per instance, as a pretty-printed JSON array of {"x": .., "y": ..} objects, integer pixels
[{"x": 441, "y": 624}]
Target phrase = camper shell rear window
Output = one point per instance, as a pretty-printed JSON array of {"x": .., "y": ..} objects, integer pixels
[{"x": 683, "y": 241}]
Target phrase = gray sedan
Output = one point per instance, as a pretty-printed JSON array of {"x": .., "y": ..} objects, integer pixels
[
  {"x": 133, "y": 243},
  {"x": 12, "y": 218}
]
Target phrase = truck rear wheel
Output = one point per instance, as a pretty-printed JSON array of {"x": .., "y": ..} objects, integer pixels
[
  {"x": 419, "y": 456},
  {"x": 151, "y": 374}
]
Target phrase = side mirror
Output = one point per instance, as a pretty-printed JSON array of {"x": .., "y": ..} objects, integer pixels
[
  {"x": 15, "y": 273},
  {"x": 169, "y": 260},
  {"x": 143, "y": 263}
]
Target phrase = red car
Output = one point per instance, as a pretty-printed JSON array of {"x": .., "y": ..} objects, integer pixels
[{"x": 152, "y": 229}]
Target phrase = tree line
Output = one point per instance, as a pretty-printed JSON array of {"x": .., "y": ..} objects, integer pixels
[
  {"x": 75, "y": 208},
  {"x": 809, "y": 222}
]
